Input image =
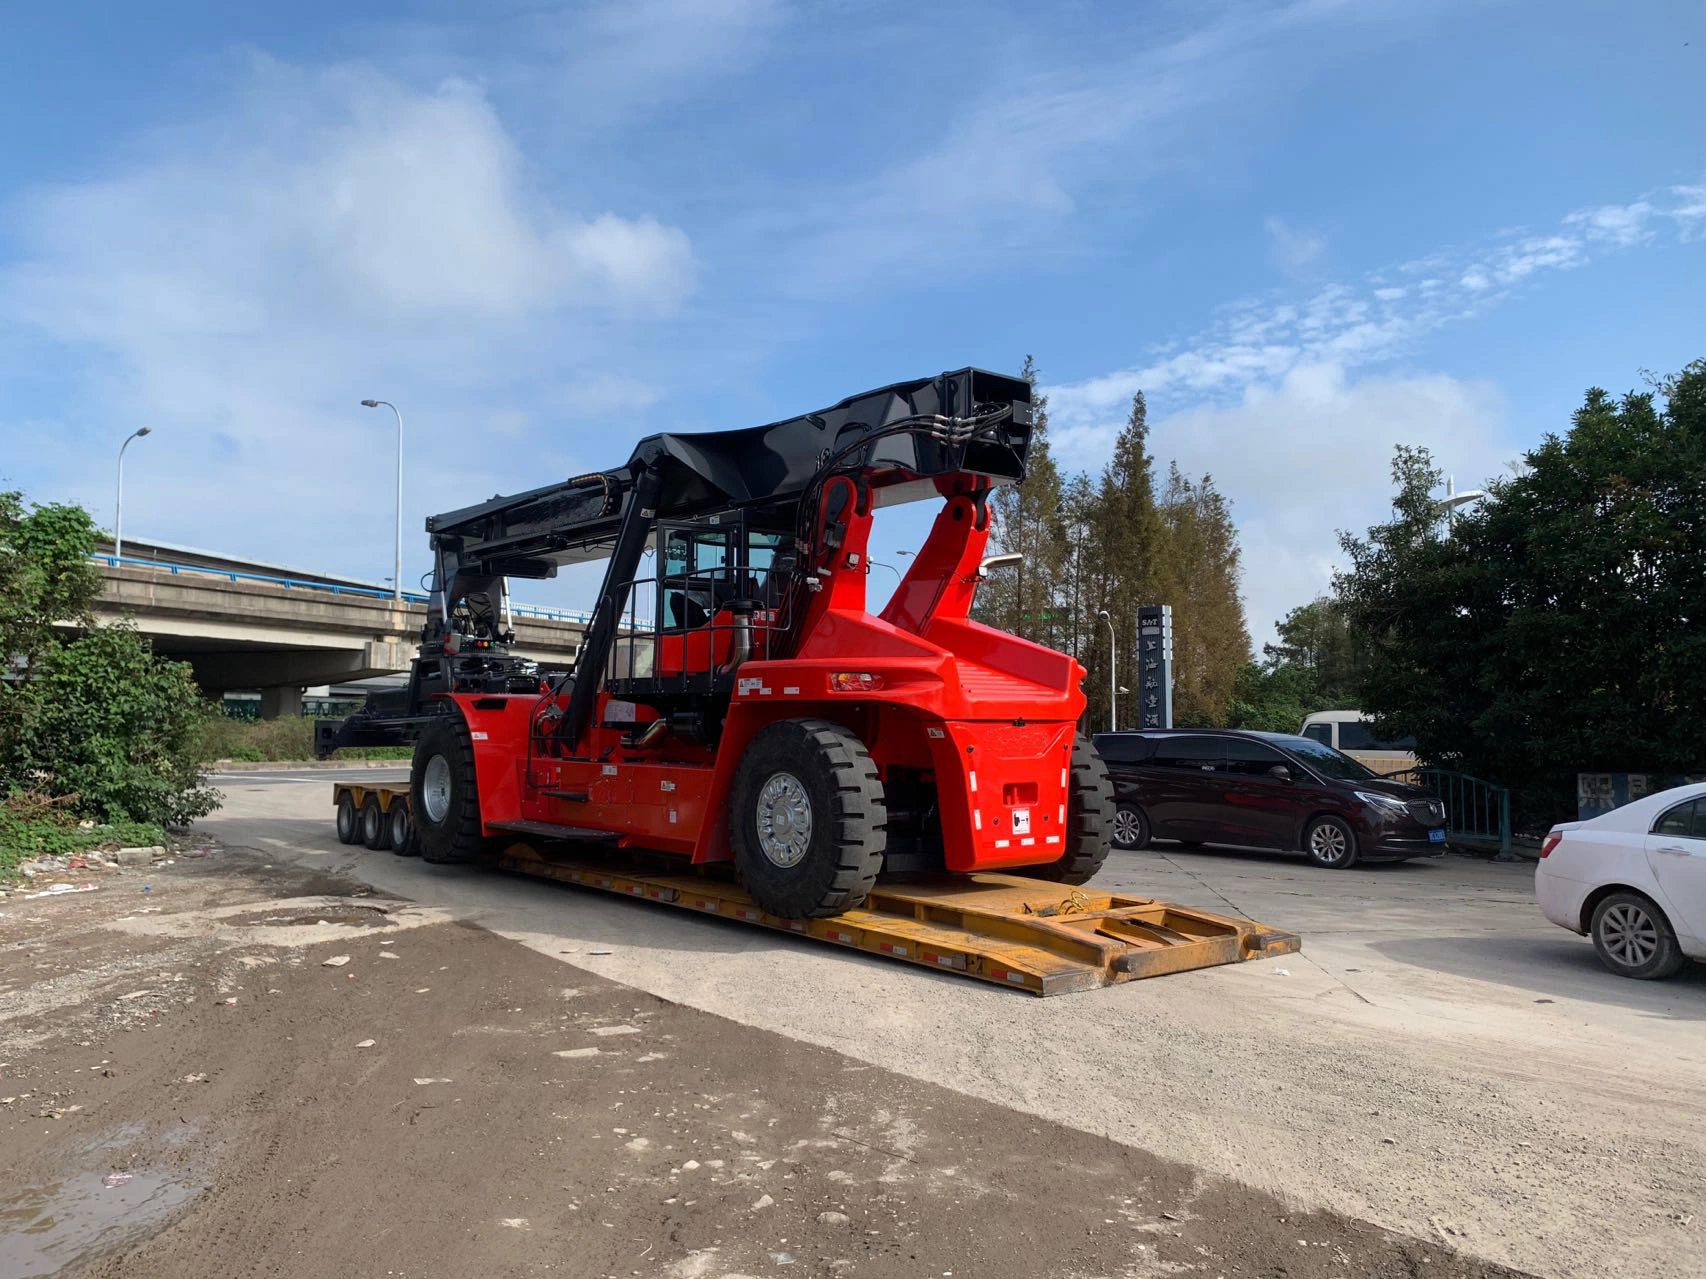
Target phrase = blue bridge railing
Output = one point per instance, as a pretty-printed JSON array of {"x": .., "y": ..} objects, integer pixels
[{"x": 540, "y": 611}]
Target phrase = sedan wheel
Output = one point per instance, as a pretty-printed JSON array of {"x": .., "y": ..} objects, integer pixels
[
  {"x": 1633, "y": 937},
  {"x": 1129, "y": 830},
  {"x": 1330, "y": 843}
]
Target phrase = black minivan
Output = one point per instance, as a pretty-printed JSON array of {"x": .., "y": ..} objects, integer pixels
[{"x": 1264, "y": 790}]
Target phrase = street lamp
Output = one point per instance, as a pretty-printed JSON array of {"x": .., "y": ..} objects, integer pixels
[
  {"x": 999, "y": 561},
  {"x": 1453, "y": 499},
  {"x": 118, "y": 505},
  {"x": 1113, "y": 670},
  {"x": 397, "y": 568}
]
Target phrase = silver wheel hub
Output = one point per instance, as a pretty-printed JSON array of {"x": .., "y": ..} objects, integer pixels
[
  {"x": 784, "y": 820},
  {"x": 1630, "y": 934},
  {"x": 435, "y": 788},
  {"x": 1127, "y": 826},
  {"x": 1327, "y": 842}
]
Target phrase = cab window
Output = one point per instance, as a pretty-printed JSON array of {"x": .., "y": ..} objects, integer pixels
[
  {"x": 1322, "y": 733},
  {"x": 1245, "y": 758},
  {"x": 695, "y": 575},
  {"x": 1355, "y": 735},
  {"x": 1204, "y": 754}
]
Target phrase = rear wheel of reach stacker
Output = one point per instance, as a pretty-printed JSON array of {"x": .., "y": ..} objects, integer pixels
[
  {"x": 808, "y": 819},
  {"x": 444, "y": 798},
  {"x": 1089, "y": 820}
]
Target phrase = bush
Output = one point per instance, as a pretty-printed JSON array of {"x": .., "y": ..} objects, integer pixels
[{"x": 114, "y": 729}]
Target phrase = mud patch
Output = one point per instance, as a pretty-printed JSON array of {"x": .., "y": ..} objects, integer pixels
[{"x": 84, "y": 1217}]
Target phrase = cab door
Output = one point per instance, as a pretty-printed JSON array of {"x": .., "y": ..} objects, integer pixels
[{"x": 1676, "y": 852}]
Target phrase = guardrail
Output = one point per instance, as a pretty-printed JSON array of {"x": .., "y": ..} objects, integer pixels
[
  {"x": 1476, "y": 811},
  {"x": 540, "y": 611}
]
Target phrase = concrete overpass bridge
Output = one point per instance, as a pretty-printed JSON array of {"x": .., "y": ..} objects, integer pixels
[{"x": 245, "y": 626}]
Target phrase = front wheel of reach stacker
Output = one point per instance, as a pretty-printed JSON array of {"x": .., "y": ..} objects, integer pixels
[
  {"x": 444, "y": 798},
  {"x": 808, "y": 819},
  {"x": 1089, "y": 819}
]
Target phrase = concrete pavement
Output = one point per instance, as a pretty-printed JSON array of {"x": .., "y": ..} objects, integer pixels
[{"x": 1439, "y": 1060}]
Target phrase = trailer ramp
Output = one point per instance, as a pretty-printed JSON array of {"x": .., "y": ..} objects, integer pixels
[{"x": 1025, "y": 934}]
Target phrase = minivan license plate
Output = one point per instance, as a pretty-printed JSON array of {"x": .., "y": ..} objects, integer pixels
[{"x": 1437, "y": 836}]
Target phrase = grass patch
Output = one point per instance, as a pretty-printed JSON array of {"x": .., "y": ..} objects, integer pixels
[
  {"x": 274, "y": 741},
  {"x": 31, "y": 826}
]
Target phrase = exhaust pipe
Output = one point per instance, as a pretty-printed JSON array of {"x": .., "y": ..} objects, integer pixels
[{"x": 743, "y": 637}]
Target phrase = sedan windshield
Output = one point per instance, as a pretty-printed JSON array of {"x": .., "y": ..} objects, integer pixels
[{"x": 1323, "y": 759}]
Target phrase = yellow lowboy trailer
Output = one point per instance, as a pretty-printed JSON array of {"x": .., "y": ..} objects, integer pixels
[{"x": 1027, "y": 934}]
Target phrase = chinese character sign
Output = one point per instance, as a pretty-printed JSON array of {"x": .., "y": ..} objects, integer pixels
[{"x": 1155, "y": 666}]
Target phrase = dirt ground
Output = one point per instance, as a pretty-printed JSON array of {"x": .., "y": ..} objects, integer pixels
[{"x": 194, "y": 1085}]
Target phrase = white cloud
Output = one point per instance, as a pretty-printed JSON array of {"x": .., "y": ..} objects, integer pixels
[
  {"x": 1278, "y": 401},
  {"x": 1293, "y": 250},
  {"x": 239, "y": 282},
  {"x": 1311, "y": 455}
]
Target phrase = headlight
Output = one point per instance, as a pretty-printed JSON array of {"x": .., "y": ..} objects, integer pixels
[{"x": 1391, "y": 803}]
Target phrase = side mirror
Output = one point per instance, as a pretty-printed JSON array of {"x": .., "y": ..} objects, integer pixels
[{"x": 1279, "y": 772}]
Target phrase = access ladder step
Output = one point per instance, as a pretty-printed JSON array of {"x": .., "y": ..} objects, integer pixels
[{"x": 551, "y": 830}]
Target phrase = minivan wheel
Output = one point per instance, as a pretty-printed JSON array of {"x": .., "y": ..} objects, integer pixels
[
  {"x": 1129, "y": 829},
  {"x": 1330, "y": 843},
  {"x": 1633, "y": 937}
]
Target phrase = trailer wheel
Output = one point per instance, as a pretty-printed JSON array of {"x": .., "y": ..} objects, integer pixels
[
  {"x": 373, "y": 825},
  {"x": 1089, "y": 818},
  {"x": 444, "y": 797},
  {"x": 349, "y": 822},
  {"x": 400, "y": 831},
  {"x": 808, "y": 818}
]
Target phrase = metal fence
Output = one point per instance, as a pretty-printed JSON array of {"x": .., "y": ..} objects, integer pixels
[{"x": 1477, "y": 812}]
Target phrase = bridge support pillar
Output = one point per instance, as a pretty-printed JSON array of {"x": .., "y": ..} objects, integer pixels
[{"x": 278, "y": 703}]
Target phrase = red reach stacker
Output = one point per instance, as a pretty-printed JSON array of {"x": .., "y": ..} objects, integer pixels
[{"x": 734, "y": 698}]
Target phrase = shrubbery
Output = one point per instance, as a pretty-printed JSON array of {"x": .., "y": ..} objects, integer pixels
[{"x": 99, "y": 725}]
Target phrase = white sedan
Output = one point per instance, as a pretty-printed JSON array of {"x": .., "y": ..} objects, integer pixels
[{"x": 1634, "y": 880}]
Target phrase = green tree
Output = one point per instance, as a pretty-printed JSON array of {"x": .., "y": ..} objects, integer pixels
[
  {"x": 1316, "y": 638},
  {"x": 117, "y": 728},
  {"x": 1029, "y": 521},
  {"x": 1200, "y": 577},
  {"x": 98, "y": 722},
  {"x": 1272, "y": 697},
  {"x": 1130, "y": 541},
  {"x": 1557, "y": 627}
]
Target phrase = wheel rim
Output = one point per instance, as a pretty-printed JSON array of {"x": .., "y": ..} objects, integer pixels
[
  {"x": 1327, "y": 842},
  {"x": 399, "y": 827},
  {"x": 1630, "y": 935},
  {"x": 370, "y": 825},
  {"x": 784, "y": 820},
  {"x": 1127, "y": 826},
  {"x": 435, "y": 788},
  {"x": 346, "y": 820}
]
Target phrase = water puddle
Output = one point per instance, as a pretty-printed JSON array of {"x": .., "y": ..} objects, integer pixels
[
  {"x": 359, "y": 916},
  {"x": 45, "y": 1228}
]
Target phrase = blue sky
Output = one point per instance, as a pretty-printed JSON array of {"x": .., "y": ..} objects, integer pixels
[{"x": 1307, "y": 230}]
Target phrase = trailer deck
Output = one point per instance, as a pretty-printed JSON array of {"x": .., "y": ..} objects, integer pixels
[{"x": 1025, "y": 934}]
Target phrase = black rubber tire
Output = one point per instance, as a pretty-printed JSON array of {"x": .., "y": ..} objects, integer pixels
[
  {"x": 456, "y": 835},
  {"x": 1089, "y": 820},
  {"x": 1345, "y": 858},
  {"x": 349, "y": 821},
  {"x": 1130, "y": 818},
  {"x": 849, "y": 829},
  {"x": 375, "y": 832},
  {"x": 1630, "y": 909},
  {"x": 400, "y": 830}
]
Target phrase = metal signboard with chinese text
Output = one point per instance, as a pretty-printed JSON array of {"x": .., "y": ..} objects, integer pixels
[{"x": 1155, "y": 666}]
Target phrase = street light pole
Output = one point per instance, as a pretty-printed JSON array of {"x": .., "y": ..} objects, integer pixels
[
  {"x": 397, "y": 563},
  {"x": 118, "y": 504},
  {"x": 1113, "y": 672}
]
